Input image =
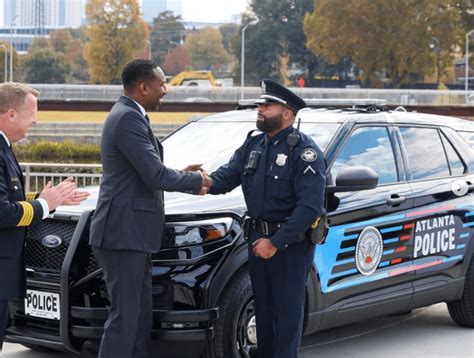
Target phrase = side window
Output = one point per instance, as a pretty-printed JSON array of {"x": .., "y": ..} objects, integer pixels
[
  {"x": 455, "y": 164},
  {"x": 370, "y": 147},
  {"x": 426, "y": 156},
  {"x": 469, "y": 136}
]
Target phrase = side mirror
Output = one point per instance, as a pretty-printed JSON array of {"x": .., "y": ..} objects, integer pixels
[{"x": 354, "y": 179}]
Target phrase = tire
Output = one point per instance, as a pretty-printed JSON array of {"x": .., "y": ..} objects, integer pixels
[
  {"x": 235, "y": 332},
  {"x": 462, "y": 310}
]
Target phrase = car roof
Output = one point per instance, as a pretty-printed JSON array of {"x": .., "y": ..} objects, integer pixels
[{"x": 359, "y": 114}]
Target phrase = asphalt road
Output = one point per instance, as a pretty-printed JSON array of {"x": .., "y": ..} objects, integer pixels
[{"x": 427, "y": 332}]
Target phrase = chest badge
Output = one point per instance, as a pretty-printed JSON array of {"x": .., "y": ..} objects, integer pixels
[
  {"x": 309, "y": 155},
  {"x": 281, "y": 159}
]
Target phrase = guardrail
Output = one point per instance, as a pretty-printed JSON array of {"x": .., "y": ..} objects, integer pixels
[{"x": 37, "y": 175}]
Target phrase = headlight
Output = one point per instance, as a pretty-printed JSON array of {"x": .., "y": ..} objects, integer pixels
[{"x": 196, "y": 232}]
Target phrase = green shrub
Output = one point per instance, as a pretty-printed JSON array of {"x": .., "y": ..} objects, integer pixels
[{"x": 55, "y": 152}]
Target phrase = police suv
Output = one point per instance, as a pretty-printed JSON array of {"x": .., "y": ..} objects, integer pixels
[{"x": 400, "y": 219}]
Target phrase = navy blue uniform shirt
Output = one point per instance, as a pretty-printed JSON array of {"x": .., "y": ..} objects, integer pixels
[{"x": 273, "y": 192}]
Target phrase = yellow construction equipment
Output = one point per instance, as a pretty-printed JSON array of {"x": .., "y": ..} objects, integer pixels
[{"x": 194, "y": 78}]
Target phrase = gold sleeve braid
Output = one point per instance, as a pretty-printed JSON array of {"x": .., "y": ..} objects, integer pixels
[
  {"x": 28, "y": 214},
  {"x": 31, "y": 196}
]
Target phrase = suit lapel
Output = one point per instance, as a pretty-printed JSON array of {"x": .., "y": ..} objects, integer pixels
[{"x": 14, "y": 162}]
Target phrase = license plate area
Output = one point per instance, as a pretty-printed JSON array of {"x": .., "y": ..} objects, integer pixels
[{"x": 42, "y": 304}]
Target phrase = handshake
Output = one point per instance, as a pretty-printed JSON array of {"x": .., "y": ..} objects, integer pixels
[{"x": 206, "y": 180}]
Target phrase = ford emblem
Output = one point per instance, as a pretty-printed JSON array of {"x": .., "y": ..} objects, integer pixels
[{"x": 51, "y": 241}]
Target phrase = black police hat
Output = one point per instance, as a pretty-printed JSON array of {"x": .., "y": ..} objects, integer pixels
[{"x": 273, "y": 92}]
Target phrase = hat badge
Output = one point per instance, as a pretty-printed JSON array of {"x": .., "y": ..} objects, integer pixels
[{"x": 263, "y": 87}]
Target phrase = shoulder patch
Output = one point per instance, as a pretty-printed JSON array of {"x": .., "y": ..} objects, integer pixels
[{"x": 309, "y": 155}]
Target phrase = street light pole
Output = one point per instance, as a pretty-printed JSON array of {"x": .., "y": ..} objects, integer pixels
[
  {"x": 13, "y": 23},
  {"x": 242, "y": 59},
  {"x": 4, "y": 62},
  {"x": 466, "y": 65},
  {"x": 434, "y": 45}
]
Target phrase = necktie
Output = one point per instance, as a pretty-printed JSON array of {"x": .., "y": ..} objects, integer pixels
[{"x": 147, "y": 118}]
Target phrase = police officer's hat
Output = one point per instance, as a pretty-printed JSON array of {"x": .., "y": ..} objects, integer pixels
[{"x": 273, "y": 92}]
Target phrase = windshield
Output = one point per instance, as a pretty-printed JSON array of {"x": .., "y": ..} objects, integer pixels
[{"x": 213, "y": 143}]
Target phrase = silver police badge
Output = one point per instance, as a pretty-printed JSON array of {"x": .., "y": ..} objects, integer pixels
[
  {"x": 369, "y": 250},
  {"x": 309, "y": 155},
  {"x": 281, "y": 159},
  {"x": 263, "y": 87}
]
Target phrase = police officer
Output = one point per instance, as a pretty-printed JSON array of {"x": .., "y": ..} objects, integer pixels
[{"x": 282, "y": 173}]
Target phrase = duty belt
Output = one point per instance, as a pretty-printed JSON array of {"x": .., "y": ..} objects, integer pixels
[{"x": 265, "y": 227}]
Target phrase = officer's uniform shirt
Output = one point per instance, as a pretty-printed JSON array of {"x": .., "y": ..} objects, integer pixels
[
  {"x": 31, "y": 196},
  {"x": 272, "y": 192}
]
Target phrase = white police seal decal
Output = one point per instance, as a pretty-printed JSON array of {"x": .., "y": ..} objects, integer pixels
[
  {"x": 369, "y": 250},
  {"x": 309, "y": 155}
]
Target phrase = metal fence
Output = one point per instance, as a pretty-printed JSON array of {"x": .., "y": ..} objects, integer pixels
[{"x": 37, "y": 175}]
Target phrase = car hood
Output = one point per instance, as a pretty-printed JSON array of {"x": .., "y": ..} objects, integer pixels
[{"x": 175, "y": 203}]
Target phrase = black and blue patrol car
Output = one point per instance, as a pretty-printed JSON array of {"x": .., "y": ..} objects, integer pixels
[{"x": 400, "y": 203}]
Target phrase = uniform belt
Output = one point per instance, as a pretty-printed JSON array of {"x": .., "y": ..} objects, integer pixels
[{"x": 267, "y": 228}]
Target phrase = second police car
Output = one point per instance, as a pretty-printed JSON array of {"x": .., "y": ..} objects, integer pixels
[{"x": 400, "y": 203}]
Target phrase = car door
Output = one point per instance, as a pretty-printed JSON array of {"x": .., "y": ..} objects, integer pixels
[
  {"x": 443, "y": 214},
  {"x": 357, "y": 277}
]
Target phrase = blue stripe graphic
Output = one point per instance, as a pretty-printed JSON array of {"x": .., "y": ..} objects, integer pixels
[
  {"x": 385, "y": 263},
  {"x": 462, "y": 236},
  {"x": 390, "y": 241},
  {"x": 468, "y": 224},
  {"x": 344, "y": 273},
  {"x": 343, "y": 262},
  {"x": 388, "y": 252},
  {"x": 462, "y": 246},
  {"x": 347, "y": 249},
  {"x": 470, "y": 213},
  {"x": 390, "y": 229}
]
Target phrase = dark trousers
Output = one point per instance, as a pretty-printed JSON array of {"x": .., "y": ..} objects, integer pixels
[
  {"x": 279, "y": 286},
  {"x": 3, "y": 321},
  {"x": 127, "y": 275}
]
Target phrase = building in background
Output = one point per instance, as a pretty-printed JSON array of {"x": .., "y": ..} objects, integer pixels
[
  {"x": 23, "y": 20},
  {"x": 152, "y": 8}
]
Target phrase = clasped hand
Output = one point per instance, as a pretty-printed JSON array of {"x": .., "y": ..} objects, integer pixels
[
  {"x": 206, "y": 180},
  {"x": 264, "y": 248}
]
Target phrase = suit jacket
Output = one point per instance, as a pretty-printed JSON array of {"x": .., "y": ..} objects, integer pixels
[
  {"x": 130, "y": 209},
  {"x": 16, "y": 214}
]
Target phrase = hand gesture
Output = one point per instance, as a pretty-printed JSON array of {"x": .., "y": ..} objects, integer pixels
[
  {"x": 56, "y": 195},
  {"x": 193, "y": 168},
  {"x": 264, "y": 248},
  {"x": 206, "y": 183},
  {"x": 76, "y": 198}
]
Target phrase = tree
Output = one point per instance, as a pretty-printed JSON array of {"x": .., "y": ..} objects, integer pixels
[
  {"x": 167, "y": 33},
  {"x": 228, "y": 32},
  {"x": 386, "y": 39},
  {"x": 60, "y": 40},
  {"x": 206, "y": 50},
  {"x": 277, "y": 41},
  {"x": 44, "y": 65},
  {"x": 117, "y": 31},
  {"x": 176, "y": 60}
]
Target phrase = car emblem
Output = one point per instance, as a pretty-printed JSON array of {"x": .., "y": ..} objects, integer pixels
[
  {"x": 281, "y": 160},
  {"x": 51, "y": 241},
  {"x": 369, "y": 250}
]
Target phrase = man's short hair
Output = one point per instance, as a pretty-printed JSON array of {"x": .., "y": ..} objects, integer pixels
[
  {"x": 137, "y": 71},
  {"x": 13, "y": 95}
]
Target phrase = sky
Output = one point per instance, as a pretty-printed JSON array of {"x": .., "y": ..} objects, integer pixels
[{"x": 212, "y": 10}]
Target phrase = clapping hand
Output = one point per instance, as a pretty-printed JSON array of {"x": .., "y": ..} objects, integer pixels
[{"x": 56, "y": 195}]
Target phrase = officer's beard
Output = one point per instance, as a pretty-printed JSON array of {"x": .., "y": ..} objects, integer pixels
[{"x": 269, "y": 124}]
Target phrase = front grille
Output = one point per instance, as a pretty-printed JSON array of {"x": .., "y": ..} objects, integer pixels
[
  {"x": 41, "y": 257},
  {"x": 39, "y": 325}
]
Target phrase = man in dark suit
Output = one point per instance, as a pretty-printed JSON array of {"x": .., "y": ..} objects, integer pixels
[
  {"x": 18, "y": 109},
  {"x": 128, "y": 224}
]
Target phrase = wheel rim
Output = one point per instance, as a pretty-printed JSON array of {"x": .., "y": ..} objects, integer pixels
[{"x": 246, "y": 329}]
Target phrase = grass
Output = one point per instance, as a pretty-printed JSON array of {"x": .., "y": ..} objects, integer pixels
[{"x": 99, "y": 117}]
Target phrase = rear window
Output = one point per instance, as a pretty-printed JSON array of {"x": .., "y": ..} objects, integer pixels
[{"x": 425, "y": 151}]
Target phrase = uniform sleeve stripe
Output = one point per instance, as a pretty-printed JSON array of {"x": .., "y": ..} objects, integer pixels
[
  {"x": 31, "y": 196},
  {"x": 28, "y": 213}
]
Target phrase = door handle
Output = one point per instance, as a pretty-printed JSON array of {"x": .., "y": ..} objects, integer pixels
[{"x": 395, "y": 199}]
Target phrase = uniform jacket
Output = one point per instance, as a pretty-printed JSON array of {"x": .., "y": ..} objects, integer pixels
[
  {"x": 285, "y": 185},
  {"x": 130, "y": 209},
  {"x": 16, "y": 214}
]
